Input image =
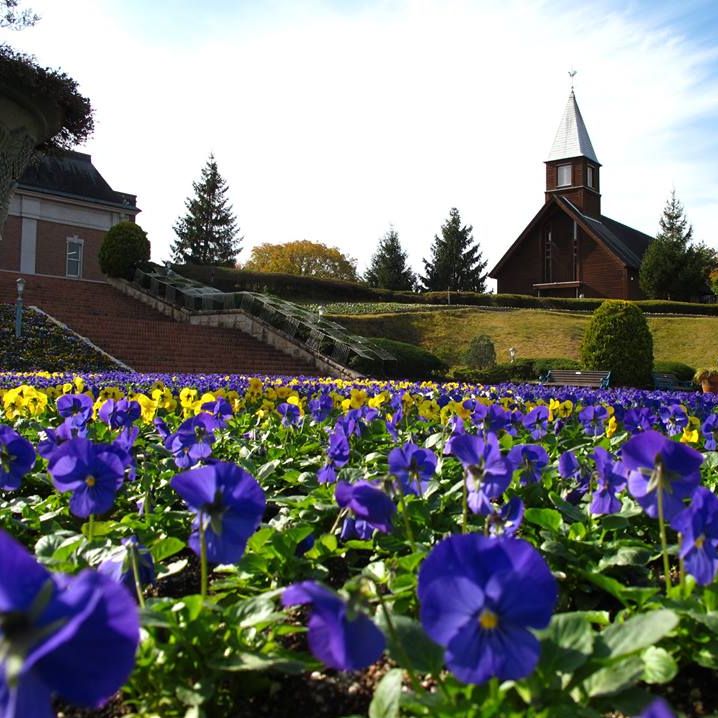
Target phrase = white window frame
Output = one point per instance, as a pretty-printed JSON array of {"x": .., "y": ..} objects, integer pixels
[
  {"x": 590, "y": 176},
  {"x": 559, "y": 183},
  {"x": 74, "y": 240}
]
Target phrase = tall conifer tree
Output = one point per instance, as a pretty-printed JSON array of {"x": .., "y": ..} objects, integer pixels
[
  {"x": 456, "y": 262},
  {"x": 388, "y": 268},
  {"x": 674, "y": 267},
  {"x": 207, "y": 234}
]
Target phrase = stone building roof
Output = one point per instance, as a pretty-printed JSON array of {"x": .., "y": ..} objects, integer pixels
[{"x": 72, "y": 175}]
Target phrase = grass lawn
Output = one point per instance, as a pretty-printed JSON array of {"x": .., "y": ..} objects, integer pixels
[{"x": 534, "y": 333}]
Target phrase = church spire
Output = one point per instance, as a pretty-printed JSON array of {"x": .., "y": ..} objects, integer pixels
[{"x": 572, "y": 138}]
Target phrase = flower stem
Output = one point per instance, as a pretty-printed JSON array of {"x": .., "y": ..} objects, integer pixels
[
  {"x": 342, "y": 513},
  {"x": 203, "y": 556},
  {"x": 464, "y": 507},
  {"x": 90, "y": 527},
  {"x": 136, "y": 574},
  {"x": 415, "y": 684},
  {"x": 664, "y": 542},
  {"x": 405, "y": 517}
]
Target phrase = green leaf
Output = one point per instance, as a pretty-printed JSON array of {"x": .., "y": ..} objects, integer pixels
[
  {"x": 246, "y": 661},
  {"x": 256, "y": 610},
  {"x": 549, "y": 519},
  {"x": 413, "y": 645},
  {"x": 267, "y": 470},
  {"x": 627, "y": 595},
  {"x": 385, "y": 703},
  {"x": 614, "y": 678},
  {"x": 660, "y": 666},
  {"x": 638, "y": 632},
  {"x": 166, "y": 547},
  {"x": 566, "y": 644}
]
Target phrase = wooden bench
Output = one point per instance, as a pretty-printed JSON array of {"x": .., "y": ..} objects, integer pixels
[
  {"x": 573, "y": 377},
  {"x": 666, "y": 381}
]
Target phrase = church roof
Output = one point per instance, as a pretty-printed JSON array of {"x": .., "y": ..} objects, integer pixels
[
  {"x": 572, "y": 138},
  {"x": 72, "y": 175},
  {"x": 624, "y": 242},
  {"x": 628, "y": 244}
]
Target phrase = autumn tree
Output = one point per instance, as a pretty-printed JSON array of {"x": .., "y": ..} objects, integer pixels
[
  {"x": 310, "y": 259},
  {"x": 456, "y": 262},
  {"x": 388, "y": 268},
  {"x": 208, "y": 233},
  {"x": 673, "y": 266}
]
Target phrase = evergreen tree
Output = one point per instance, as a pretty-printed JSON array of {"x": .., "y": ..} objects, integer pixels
[
  {"x": 673, "y": 267},
  {"x": 456, "y": 262},
  {"x": 207, "y": 234},
  {"x": 388, "y": 268}
]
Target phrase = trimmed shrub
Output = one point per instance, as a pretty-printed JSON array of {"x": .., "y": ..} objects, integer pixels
[
  {"x": 481, "y": 353},
  {"x": 682, "y": 372},
  {"x": 618, "y": 340},
  {"x": 124, "y": 247},
  {"x": 412, "y": 362}
]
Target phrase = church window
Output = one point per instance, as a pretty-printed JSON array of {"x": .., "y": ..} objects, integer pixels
[
  {"x": 589, "y": 176},
  {"x": 564, "y": 175}
]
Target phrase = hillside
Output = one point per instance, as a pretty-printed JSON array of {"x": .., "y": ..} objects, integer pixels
[{"x": 534, "y": 333}]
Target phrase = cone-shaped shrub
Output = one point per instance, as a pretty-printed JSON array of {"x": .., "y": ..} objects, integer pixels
[{"x": 618, "y": 340}]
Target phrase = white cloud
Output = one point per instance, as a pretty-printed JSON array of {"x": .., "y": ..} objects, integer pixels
[{"x": 331, "y": 125}]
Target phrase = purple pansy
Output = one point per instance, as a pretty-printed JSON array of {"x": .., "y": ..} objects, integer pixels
[
  {"x": 119, "y": 566},
  {"x": 17, "y": 457},
  {"x": 229, "y": 502},
  {"x": 93, "y": 472},
  {"x": 339, "y": 636},
  {"x": 529, "y": 460},
  {"x": 76, "y": 409},
  {"x": 119, "y": 413},
  {"x": 290, "y": 413},
  {"x": 192, "y": 442},
  {"x": 413, "y": 466},
  {"x": 338, "y": 450},
  {"x": 321, "y": 406},
  {"x": 657, "y": 708},
  {"x": 479, "y": 597},
  {"x": 656, "y": 463},
  {"x": 569, "y": 467},
  {"x": 367, "y": 503},
  {"x": 74, "y": 637},
  {"x": 506, "y": 521},
  {"x": 698, "y": 527},
  {"x": 593, "y": 419},
  {"x": 487, "y": 472},
  {"x": 673, "y": 418},
  {"x": 610, "y": 477},
  {"x": 710, "y": 432},
  {"x": 220, "y": 409},
  {"x": 536, "y": 421}
]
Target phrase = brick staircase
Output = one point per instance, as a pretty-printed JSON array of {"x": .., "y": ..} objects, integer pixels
[{"x": 143, "y": 338}]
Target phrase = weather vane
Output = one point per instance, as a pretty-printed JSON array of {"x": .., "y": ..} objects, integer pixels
[{"x": 572, "y": 74}]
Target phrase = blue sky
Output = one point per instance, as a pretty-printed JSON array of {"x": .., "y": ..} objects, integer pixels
[{"x": 332, "y": 120}]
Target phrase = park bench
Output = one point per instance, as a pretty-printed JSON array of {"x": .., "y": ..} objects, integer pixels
[
  {"x": 666, "y": 381},
  {"x": 573, "y": 377}
]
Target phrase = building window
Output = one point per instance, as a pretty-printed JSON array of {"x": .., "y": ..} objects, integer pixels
[
  {"x": 589, "y": 176},
  {"x": 564, "y": 175},
  {"x": 73, "y": 263},
  {"x": 547, "y": 273}
]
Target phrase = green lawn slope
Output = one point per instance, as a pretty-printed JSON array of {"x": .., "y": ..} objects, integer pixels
[{"x": 534, "y": 333}]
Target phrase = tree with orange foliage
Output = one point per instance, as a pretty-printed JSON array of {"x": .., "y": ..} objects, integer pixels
[{"x": 310, "y": 259}]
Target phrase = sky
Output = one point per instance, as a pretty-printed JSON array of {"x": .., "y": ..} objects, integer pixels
[{"x": 332, "y": 120}]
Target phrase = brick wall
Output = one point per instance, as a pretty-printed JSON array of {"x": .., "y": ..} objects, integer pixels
[
  {"x": 10, "y": 244},
  {"x": 52, "y": 248}
]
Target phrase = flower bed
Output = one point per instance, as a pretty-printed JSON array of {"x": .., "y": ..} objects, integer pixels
[
  {"x": 44, "y": 345},
  {"x": 245, "y": 546}
]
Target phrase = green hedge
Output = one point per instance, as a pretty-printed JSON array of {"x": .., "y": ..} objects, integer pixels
[
  {"x": 520, "y": 370},
  {"x": 298, "y": 288},
  {"x": 682, "y": 372},
  {"x": 412, "y": 362}
]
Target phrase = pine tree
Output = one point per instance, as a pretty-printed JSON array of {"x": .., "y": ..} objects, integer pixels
[
  {"x": 673, "y": 267},
  {"x": 456, "y": 262},
  {"x": 388, "y": 268},
  {"x": 207, "y": 234}
]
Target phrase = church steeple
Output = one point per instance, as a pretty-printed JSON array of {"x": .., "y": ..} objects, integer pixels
[{"x": 572, "y": 168}]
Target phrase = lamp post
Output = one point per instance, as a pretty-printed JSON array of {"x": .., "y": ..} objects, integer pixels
[{"x": 18, "y": 307}]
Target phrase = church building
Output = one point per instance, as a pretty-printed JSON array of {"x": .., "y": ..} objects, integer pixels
[
  {"x": 59, "y": 214},
  {"x": 570, "y": 249}
]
